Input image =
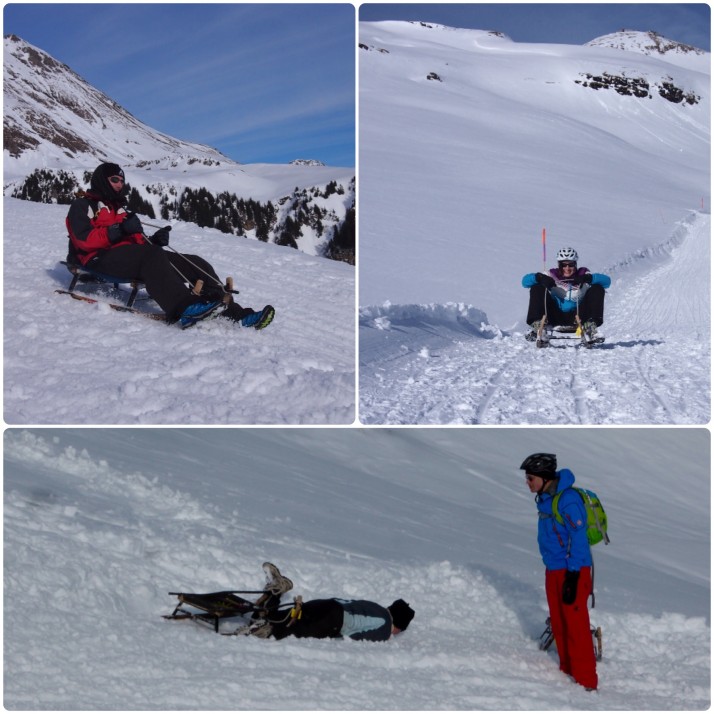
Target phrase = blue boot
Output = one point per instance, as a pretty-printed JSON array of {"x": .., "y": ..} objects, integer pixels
[
  {"x": 197, "y": 311},
  {"x": 260, "y": 319}
]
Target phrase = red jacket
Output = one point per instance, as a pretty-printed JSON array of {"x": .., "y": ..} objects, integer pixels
[{"x": 87, "y": 223}]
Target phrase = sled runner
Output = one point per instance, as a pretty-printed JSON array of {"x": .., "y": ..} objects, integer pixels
[
  {"x": 564, "y": 335},
  {"x": 547, "y": 639}
]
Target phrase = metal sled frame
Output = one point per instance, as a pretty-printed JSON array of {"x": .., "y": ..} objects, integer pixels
[
  {"x": 215, "y": 606},
  {"x": 84, "y": 275},
  {"x": 547, "y": 639}
]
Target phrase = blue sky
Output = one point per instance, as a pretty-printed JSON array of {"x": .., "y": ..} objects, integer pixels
[
  {"x": 259, "y": 82},
  {"x": 566, "y": 23}
]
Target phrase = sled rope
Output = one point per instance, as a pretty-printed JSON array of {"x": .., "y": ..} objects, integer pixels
[{"x": 190, "y": 262}]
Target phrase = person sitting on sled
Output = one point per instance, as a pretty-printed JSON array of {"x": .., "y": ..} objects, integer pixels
[
  {"x": 105, "y": 238},
  {"x": 331, "y": 617},
  {"x": 564, "y": 295}
]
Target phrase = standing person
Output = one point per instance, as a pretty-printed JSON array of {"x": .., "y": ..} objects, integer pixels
[
  {"x": 565, "y": 293},
  {"x": 566, "y": 554},
  {"x": 105, "y": 238}
]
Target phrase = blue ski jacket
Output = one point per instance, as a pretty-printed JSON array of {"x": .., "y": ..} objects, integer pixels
[
  {"x": 564, "y": 293},
  {"x": 563, "y": 546}
]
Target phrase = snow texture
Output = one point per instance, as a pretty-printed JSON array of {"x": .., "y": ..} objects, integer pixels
[
  {"x": 68, "y": 362},
  {"x": 99, "y": 525},
  {"x": 470, "y": 145}
]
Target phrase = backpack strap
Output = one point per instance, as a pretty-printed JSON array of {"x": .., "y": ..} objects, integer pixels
[{"x": 556, "y": 513}]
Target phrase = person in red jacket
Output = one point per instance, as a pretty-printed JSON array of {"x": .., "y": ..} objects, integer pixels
[{"x": 105, "y": 238}]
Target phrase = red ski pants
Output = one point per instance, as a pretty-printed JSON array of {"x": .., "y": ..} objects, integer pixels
[{"x": 571, "y": 627}]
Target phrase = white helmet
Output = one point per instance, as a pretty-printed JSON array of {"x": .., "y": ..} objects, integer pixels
[{"x": 567, "y": 254}]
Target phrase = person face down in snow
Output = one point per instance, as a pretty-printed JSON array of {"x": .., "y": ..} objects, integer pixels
[
  {"x": 107, "y": 239},
  {"x": 331, "y": 617},
  {"x": 565, "y": 294},
  {"x": 565, "y": 551}
]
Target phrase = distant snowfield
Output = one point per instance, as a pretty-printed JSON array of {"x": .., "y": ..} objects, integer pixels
[
  {"x": 470, "y": 144},
  {"x": 66, "y": 362},
  {"x": 100, "y": 524}
]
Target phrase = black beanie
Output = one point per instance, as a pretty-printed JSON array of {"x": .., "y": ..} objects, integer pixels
[{"x": 401, "y": 613}]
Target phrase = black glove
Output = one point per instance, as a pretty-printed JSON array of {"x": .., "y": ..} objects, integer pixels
[
  {"x": 115, "y": 233},
  {"x": 131, "y": 224},
  {"x": 545, "y": 280},
  {"x": 580, "y": 279},
  {"x": 570, "y": 586},
  {"x": 161, "y": 237}
]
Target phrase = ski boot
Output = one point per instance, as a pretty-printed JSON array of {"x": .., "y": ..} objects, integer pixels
[
  {"x": 275, "y": 582},
  {"x": 589, "y": 335},
  {"x": 197, "y": 311},
  {"x": 260, "y": 319},
  {"x": 540, "y": 334},
  {"x": 275, "y": 585}
]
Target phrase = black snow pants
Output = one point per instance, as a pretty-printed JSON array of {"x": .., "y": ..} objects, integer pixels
[
  {"x": 592, "y": 307},
  {"x": 160, "y": 271},
  {"x": 318, "y": 618}
]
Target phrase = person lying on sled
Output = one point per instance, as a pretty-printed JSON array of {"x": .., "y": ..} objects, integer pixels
[
  {"x": 105, "y": 238},
  {"x": 565, "y": 293}
]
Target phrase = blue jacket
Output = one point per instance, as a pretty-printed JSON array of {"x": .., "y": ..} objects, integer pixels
[
  {"x": 563, "y": 546},
  {"x": 566, "y": 295}
]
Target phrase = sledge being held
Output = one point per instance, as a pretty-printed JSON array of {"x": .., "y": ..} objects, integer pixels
[{"x": 566, "y": 303}]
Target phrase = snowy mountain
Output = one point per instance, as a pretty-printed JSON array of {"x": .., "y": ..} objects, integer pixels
[
  {"x": 99, "y": 525},
  {"x": 653, "y": 44},
  {"x": 470, "y": 145},
  {"x": 57, "y": 129}
]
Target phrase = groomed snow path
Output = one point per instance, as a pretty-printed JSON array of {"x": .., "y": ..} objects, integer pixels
[{"x": 440, "y": 365}]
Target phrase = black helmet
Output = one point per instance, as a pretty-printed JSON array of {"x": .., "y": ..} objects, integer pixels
[
  {"x": 100, "y": 182},
  {"x": 541, "y": 465}
]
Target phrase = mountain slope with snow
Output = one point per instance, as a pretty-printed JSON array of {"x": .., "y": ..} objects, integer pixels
[
  {"x": 99, "y": 525},
  {"x": 56, "y": 123},
  {"x": 67, "y": 362},
  {"x": 471, "y": 144}
]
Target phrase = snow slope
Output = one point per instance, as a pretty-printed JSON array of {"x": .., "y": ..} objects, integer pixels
[
  {"x": 460, "y": 173},
  {"x": 100, "y": 524},
  {"x": 67, "y": 362}
]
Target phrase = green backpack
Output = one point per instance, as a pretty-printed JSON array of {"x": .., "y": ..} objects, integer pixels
[{"x": 597, "y": 518}]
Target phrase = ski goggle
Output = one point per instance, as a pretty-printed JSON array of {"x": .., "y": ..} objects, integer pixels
[{"x": 116, "y": 179}]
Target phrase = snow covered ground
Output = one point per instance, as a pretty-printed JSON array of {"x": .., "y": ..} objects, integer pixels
[
  {"x": 67, "y": 362},
  {"x": 458, "y": 176},
  {"x": 100, "y": 524}
]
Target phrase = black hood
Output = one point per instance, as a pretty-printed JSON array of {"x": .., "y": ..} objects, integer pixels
[{"x": 101, "y": 186}]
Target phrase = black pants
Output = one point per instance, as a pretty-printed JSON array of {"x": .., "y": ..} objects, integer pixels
[
  {"x": 592, "y": 307},
  {"x": 159, "y": 270},
  {"x": 319, "y": 618}
]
